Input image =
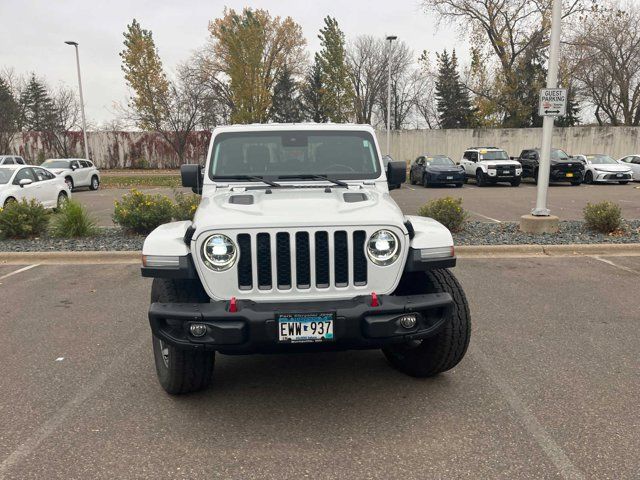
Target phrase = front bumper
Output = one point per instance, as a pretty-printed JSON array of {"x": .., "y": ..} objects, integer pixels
[
  {"x": 613, "y": 177},
  {"x": 445, "y": 178},
  {"x": 253, "y": 327},
  {"x": 566, "y": 176}
]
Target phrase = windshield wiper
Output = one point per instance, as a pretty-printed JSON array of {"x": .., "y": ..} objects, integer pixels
[
  {"x": 252, "y": 178},
  {"x": 313, "y": 177}
]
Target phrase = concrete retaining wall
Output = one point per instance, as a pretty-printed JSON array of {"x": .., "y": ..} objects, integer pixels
[{"x": 144, "y": 149}]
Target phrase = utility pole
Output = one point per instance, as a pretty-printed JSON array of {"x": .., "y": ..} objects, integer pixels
[
  {"x": 390, "y": 39},
  {"x": 84, "y": 121}
]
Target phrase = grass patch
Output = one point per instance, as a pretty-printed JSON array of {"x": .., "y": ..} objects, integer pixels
[
  {"x": 140, "y": 181},
  {"x": 72, "y": 220}
]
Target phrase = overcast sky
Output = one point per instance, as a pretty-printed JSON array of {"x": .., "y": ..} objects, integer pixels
[{"x": 34, "y": 32}]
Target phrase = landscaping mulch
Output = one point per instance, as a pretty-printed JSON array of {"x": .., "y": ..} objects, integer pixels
[{"x": 475, "y": 233}]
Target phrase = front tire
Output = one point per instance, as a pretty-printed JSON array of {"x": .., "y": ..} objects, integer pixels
[
  {"x": 95, "y": 183},
  {"x": 588, "y": 178},
  {"x": 69, "y": 182},
  {"x": 623, "y": 183},
  {"x": 441, "y": 352},
  {"x": 62, "y": 199},
  {"x": 481, "y": 181},
  {"x": 425, "y": 181},
  {"x": 180, "y": 371},
  {"x": 515, "y": 183}
]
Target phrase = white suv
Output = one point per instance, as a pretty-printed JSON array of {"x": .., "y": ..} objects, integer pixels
[
  {"x": 77, "y": 172},
  {"x": 490, "y": 165},
  {"x": 11, "y": 160},
  {"x": 297, "y": 246}
]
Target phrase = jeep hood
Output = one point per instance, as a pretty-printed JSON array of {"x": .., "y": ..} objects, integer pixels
[{"x": 293, "y": 207}]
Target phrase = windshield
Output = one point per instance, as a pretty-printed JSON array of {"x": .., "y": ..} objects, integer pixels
[
  {"x": 337, "y": 154},
  {"x": 495, "y": 155},
  {"x": 5, "y": 175},
  {"x": 601, "y": 159},
  {"x": 56, "y": 164},
  {"x": 559, "y": 155},
  {"x": 439, "y": 161}
]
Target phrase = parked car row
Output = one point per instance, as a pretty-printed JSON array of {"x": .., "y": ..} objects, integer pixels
[
  {"x": 22, "y": 182},
  {"x": 491, "y": 165},
  {"x": 75, "y": 172}
]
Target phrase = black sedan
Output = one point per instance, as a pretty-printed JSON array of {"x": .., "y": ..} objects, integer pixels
[{"x": 436, "y": 170}]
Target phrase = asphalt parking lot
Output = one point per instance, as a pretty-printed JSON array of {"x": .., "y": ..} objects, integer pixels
[
  {"x": 549, "y": 388},
  {"x": 497, "y": 203}
]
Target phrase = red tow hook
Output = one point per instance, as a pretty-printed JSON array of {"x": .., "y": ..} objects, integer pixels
[
  {"x": 374, "y": 300},
  {"x": 233, "y": 306}
]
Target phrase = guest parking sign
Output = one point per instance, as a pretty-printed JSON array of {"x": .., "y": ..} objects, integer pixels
[{"x": 553, "y": 102}]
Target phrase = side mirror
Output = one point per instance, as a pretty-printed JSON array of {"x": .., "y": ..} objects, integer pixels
[
  {"x": 396, "y": 173},
  {"x": 25, "y": 181},
  {"x": 192, "y": 177}
]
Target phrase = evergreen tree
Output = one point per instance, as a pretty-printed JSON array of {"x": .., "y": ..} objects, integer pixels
[
  {"x": 338, "y": 97},
  {"x": 454, "y": 106},
  {"x": 9, "y": 113},
  {"x": 38, "y": 109},
  {"x": 313, "y": 94},
  {"x": 572, "y": 118},
  {"x": 285, "y": 103}
]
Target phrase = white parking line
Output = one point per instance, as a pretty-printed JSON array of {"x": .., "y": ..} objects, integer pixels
[
  {"x": 552, "y": 450},
  {"x": 621, "y": 267},
  {"x": 20, "y": 270},
  {"x": 484, "y": 216}
]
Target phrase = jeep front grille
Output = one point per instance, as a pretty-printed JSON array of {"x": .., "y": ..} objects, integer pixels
[{"x": 302, "y": 260}]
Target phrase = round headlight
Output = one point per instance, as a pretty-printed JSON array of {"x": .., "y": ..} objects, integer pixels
[
  {"x": 219, "y": 252},
  {"x": 383, "y": 247}
]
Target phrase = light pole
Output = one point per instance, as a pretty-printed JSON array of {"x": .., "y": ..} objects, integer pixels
[
  {"x": 541, "y": 220},
  {"x": 547, "y": 122},
  {"x": 390, "y": 39},
  {"x": 84, "y": 121}
]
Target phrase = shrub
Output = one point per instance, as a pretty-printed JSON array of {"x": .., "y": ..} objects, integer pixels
[
  {"x": 448, "y": 211},
  {"x": 72, "y": 220},
  {"x": 141, "y": 213},
  {"x": 185, "y": 206},
  {"x": 23, "y": 219},
  {"x": 603, "y": 217}
]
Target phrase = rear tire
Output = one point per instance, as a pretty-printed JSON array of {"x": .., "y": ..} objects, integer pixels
[
  {"x": 180, "y": 371},
  {"x": 62, "y": 198},
  {"x": 442, "y": 352}
]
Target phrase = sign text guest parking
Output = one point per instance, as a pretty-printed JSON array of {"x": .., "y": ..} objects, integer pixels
[{"x": 553, "y": 102}]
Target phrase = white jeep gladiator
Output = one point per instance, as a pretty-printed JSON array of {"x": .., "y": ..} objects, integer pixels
[{"x": 297, "y": 246}]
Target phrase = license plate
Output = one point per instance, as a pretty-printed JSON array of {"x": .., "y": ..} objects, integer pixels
[
  {"x": 305, "y": 327},
  {"x": 449, "y": 178},
  {"x": 619, "y": 175},
  {"x": 506, "y": 172},
  {"x": 569, "y": 175}
]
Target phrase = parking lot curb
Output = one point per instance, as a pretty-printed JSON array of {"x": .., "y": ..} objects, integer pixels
[
  {"x": 67, "y": 258},
  {"x": 465, "y": 251}
]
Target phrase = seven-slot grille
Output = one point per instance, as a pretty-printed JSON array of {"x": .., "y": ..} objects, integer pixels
[{"x": 301, "y": 260}]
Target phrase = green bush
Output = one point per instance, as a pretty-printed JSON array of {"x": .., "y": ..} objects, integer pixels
[
  {"x": 603, "y": 217},
  {"x": 185, "y": 206},
  {"x": 448, "y": 211},
  {"x": 72, "y": 220},
  {"x": 141, "y": 213},
  {"x": 23, "y": 219}
]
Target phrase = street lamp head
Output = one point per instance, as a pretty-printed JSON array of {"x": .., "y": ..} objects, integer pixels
[
  {"x": 71, "y": 42},
  {"x": 391, "y": 37}
]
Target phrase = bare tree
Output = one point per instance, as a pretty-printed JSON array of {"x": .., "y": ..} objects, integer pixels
[
  {"x": 66, "y": 118},
  {"x": 507, "y": 35},
  {"x": 605, "y": 56},
  {"x": 405, "y": 86},
  {"x": 426, "y": 103},
  {"x": 367, "y": 62}
]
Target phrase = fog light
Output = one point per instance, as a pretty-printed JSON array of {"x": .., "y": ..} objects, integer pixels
[
  {"x": 198, "y": 329},
  {"x": 408, "y": 321}
]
